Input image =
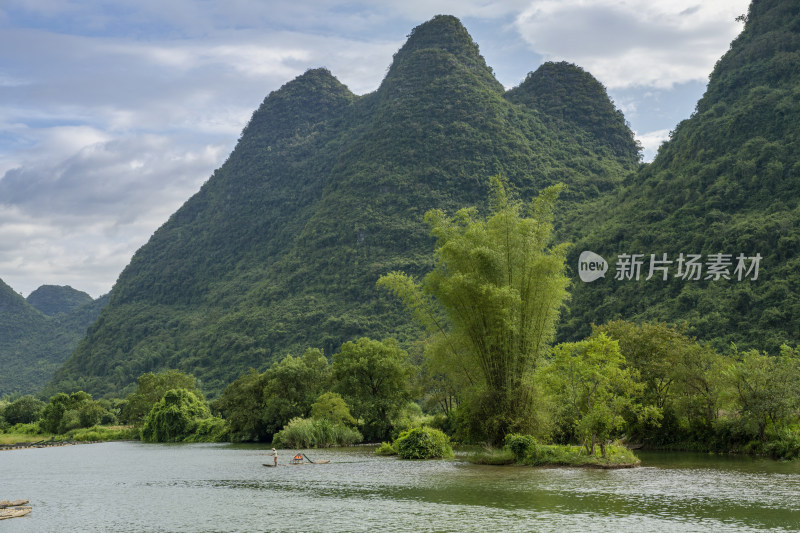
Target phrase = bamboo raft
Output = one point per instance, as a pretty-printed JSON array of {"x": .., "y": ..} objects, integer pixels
[
  {"x": 299, "y": 464},
  {"x": 295, "y": 462},
  {"x": 14, "y": 509}
]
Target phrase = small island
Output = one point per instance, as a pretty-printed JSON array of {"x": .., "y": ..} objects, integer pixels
[{"x": 523, "y": 450}]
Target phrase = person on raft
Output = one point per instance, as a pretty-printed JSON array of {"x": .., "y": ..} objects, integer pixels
[
  {"x": 275, "y": 456},
  {"x": 297, "y": 458}
]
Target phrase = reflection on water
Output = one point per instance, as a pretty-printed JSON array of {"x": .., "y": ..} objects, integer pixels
[{"x": 137, "y": 487}]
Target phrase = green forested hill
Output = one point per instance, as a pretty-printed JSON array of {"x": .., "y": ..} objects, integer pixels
[
  {"x": 325, "y": 191},
  {"x": 727, "y": 181},
  {"x": 32, "y": 344},
  {"x": 53, "y": 299}
]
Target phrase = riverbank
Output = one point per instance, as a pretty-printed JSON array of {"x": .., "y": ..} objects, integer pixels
[
  {"x": 558, "y": 455},
  {"x": 16, "y": 441},
  {"x": 44, "y": 444}
]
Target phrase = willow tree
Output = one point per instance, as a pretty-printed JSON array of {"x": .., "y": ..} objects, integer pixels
[{"x": 491, "y": 304}]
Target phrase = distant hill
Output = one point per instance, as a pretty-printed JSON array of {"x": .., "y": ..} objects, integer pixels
[
  {"x": 32, "y": 344},
  {"x": 727, "y": 182},
  {"x": 53, "y": 299},
  {"x": 324, "y": 192}
]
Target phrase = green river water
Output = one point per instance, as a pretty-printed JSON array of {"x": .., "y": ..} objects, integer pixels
[{"x": 134, "y": 487}]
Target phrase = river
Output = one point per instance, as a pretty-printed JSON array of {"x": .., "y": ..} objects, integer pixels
[{"x": 135, "y": 487}]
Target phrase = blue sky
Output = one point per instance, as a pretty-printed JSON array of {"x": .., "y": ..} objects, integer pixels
[{"x": 113, "y": 113}]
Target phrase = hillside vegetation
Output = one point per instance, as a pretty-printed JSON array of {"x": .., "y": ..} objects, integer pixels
[
  {"x": 37, "y": 335},
  {"x": 727, "y": 182},
  {"x": 281, "y": 248}
]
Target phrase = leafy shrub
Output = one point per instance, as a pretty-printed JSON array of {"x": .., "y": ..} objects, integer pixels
[
  {"x": 315, "y": 433},
  {"x": 100, "y": 433},
  {"x": 91, "y": 415},
  {"x": 520, "y": 445},
  {"x": 25, "y": 429},
  {"x": 150, "y": 389},
  {"x": 298, "y": 433},
  {"x": 782, "y": 444},
  {"x": 67, "y": 412},
  {"x": 423, "y": 443},
  {"x": 385, "y": 449},
  {"x": 411, "y": 416},
  {"x": 554, "y": 454},
  {"x": 71, "y": 419}
]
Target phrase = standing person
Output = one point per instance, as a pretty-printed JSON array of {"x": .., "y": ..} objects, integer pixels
[{"x": 275, "y": 456}]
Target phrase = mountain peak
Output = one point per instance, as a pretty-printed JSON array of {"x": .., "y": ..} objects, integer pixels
[
  {"x": 54, "y": 299},
  {"x": 10, "y": 300},
  {"x": 565, "y": 92},
  {"x": 764, "y": 54},
  {"x": 442, "y": 31},
  {"x": 309, "y": 98},
  {"x": 439, "y": 40}
]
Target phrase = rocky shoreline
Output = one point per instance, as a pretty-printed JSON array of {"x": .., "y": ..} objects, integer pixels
[{"x": 42, "y": 444}]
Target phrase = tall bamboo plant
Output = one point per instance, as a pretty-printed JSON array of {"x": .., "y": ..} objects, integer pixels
[{"x": 491, "y": 304}]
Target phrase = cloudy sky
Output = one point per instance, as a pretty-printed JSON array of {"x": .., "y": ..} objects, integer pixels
[{"x": 113, "y": 113}]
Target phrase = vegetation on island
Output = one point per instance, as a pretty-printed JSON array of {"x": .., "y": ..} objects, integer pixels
[
  {"x": 525, "y": 450},
  {"x": 421, "y": 442}
]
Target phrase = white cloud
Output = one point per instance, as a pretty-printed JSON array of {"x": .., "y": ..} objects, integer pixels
[
  {"x": 651, "y": 141},
  {"x": 626, "y": 43},
  {"x": 77, "y": 217},
  {"x": 103, "y": 137}
]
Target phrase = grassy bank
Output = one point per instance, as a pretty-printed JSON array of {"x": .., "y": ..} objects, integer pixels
[
  {"x": 27, "y": 433},
  {"x": 558, "y": 455}
]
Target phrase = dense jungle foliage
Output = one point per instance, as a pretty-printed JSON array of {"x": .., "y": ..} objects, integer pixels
[
  {"x": 727, "y": 182},
  {"x": 38, "y": 334}
]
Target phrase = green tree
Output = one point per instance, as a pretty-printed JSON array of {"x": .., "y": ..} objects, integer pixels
[
  {"x": 333, "y": 407},
  {"x": 374, "y": 379},
  {"x": 151, "y": 388},
  {"x": 175, "y": 417},
  {"x": 765, "y": 389},
  {"x": 256, "y": 406},
  {"x": 242, "y": 406},
  {"x": 65, "y": 412},
  {"x": 656, "y": 350},
  {"x": 23, "y": 410},
  {"x": 700, "y": 390},
  {"x": 682, "y": 380},
  {"x": 593, "y": 387},
  {"x": 292, "y": 386},
  {"x": 491, "y": 302}
]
